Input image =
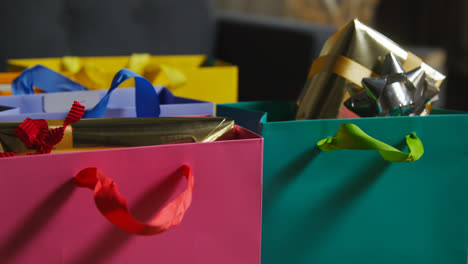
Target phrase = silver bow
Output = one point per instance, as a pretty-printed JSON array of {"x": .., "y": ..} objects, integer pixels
[{"x": 395, "y": 93}]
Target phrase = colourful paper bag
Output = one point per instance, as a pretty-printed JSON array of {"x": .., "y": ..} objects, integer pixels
[
  {"x": 209, "y": 206},
  {"x": 324, "y": 204},
  {"x": 192, "y": 76},
  {"x": 144, "y": 100}
]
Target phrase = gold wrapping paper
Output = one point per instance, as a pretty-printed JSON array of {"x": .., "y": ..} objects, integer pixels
[
  {"x": 354, "y": 52},
  {"x": 91, "y": 134}
]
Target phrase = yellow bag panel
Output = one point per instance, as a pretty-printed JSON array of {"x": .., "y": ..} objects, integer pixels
[
  {"x": 111, "y": 63},
  {"x": 182, "y": 74},
  {"x": 213, "y": 84}
]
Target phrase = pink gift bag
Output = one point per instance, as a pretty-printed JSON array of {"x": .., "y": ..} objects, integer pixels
[{"x": 195, "y": 203}]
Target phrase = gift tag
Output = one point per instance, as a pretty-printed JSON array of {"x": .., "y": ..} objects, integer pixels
[{"x": 61, "y": 102}]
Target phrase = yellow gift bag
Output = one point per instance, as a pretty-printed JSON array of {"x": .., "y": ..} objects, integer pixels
[{"x": 191, "y": 76}]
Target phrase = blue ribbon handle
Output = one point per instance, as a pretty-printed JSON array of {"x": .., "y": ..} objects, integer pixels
[
  {"x": 46, "y": 79},
  {"x": 146, "y": 99}
]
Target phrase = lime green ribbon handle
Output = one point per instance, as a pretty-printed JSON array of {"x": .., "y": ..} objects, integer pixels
[{"x": 350, "y": 136}]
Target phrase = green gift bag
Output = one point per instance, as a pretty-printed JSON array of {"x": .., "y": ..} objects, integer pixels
[{"x": 352, "y": 191}]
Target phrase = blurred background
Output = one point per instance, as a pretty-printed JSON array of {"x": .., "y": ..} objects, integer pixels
[
  {"x": 435, "y": 30},
  {"x": 272, "y": 41}
]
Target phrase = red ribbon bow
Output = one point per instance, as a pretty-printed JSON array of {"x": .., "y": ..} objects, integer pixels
[{"x": 36, "y": 134}]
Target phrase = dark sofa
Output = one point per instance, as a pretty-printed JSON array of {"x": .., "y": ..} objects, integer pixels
[{"x": 273, "y": 56}]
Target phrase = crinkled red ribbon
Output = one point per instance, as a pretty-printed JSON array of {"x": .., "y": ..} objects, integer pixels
[
  {"x": 113, "y": 205},
  {"x": 36, "y": 134}
]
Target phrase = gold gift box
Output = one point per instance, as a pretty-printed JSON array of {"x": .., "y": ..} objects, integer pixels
[{"x": 354, "y": 52}]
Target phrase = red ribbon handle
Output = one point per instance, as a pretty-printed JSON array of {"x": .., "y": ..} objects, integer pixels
[{"x": 113, "y": 206}]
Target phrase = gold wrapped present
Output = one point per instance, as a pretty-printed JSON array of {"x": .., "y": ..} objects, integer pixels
[
  {"x": 354, "y": 52},
  {"x": 89, "y": 134}
]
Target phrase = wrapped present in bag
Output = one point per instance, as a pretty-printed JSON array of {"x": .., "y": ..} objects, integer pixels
[
  {"x": 33, "y": 135},
  {"x": 144, "y": 100},
  {"x": 170, "y": 203},
  {"x": 387, "y": 186},
  {"x": 192, "y": 76},
  {"x": 402, "y": 84},
  {"x": 373, "y": 201}
]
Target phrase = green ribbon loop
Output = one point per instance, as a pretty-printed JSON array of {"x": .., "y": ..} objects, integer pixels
[{"x": 350, "y": 136}]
